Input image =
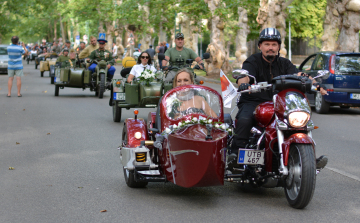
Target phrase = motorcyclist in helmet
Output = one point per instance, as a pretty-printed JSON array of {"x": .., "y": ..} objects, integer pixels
[{"x": 264, "y": 66}]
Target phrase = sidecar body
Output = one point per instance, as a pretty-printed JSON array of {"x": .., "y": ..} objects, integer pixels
[{"x": 188, "y": 150}]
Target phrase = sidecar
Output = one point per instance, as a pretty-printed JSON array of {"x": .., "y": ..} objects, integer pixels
[
  {"x": 31, "y": 57},
  {"x": 46, "y": 64},
  {"x": 136, "y": 94},
  {"x": 187, "y": 149},
  {"x": 80, "y": 77}
]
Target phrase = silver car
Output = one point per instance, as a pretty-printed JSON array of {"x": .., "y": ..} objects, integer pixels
[{"x": 4, "y": 58}]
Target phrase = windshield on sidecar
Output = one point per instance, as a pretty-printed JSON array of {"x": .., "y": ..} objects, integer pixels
[{"x": 193, "y": 101}]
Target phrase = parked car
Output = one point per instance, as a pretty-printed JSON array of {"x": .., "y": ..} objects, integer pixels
[
  {"x": 4, "y": 58},
  {"x": 343, "y": 85}
]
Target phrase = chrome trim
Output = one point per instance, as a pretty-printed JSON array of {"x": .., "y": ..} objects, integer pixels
[
  {"x": 281, "y": 125},
  {"x": 349, "y": 90},
  {"x": 256, "y": 131},
  {"x": 283, "y": 169},
  {"x": 310, "y": 125},
  {"x": 259, "y": 141},
  {"x": 175, "y": 153}
]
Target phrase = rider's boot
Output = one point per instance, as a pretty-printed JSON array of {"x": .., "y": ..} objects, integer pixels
[
  {"x": 108, "y": 81},
  {"x": 321, "y": 162}
]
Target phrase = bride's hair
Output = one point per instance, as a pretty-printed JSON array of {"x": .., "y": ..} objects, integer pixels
[{"x": 186, "y": 71}]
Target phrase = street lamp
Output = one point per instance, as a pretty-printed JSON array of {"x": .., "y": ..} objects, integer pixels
[{"x": 290, "y": 7}]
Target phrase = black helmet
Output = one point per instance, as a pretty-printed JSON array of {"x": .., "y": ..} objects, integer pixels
[{"x": 270, "y": 34}]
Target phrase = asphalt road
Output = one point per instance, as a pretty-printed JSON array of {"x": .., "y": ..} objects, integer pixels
[{"x": 67, "y": 169}]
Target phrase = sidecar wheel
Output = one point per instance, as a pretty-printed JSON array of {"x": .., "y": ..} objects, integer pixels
[
  {"x": 52, "y": 80},
  {"x": 116, "y": 112},
  {"x": 101, "y": 87},
  {"x": 300, "y": 183},
  {"x": 57, "y": 90},
  {"x": 321, "y": 106},
  {"x": 41, "y": 73},
  {"x": 130, "y": 179}
]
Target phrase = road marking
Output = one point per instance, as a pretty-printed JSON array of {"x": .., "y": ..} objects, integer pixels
[{"x": 344, "y": 173}]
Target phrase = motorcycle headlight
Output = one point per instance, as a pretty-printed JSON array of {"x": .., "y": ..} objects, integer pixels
[{"x": 298, "y": 119}]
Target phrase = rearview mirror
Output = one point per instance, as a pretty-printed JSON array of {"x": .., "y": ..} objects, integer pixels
[
  {"x": 206, "y": 56},
  {"x": 161, "y": 56},
  {"x": 323, "y": 74}
]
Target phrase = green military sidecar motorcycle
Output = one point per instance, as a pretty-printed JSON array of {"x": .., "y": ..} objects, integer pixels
[
  {"x": 82, "y": 78},
  {"x": 136, "y": 94}
]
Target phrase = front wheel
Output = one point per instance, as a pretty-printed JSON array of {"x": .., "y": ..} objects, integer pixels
[
  {"x": 101, "y": 87},
  {"x": 321, "y": 106},
  {"x": 52, "y": 80},
  {"x": 116, "y": 112},
  {"x": 300, "y": 183}
]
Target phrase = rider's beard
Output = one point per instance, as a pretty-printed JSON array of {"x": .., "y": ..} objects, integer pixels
[{"x": 270, "y": 57}]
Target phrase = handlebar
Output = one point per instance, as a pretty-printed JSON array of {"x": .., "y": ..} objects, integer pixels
[{"x": 257, "y": 87}]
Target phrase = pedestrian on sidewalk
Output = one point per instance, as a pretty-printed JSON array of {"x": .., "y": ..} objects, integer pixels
[{"x": 15, "y": 66}]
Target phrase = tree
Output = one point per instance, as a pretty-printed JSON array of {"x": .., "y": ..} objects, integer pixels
[
  {"x": 273, "y": 14},
  {"x": 341, "y": 25}
]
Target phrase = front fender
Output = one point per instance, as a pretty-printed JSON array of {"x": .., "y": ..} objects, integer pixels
[
  {"x": 132, "y": 126},
  {"x": 299, "y": 138}
]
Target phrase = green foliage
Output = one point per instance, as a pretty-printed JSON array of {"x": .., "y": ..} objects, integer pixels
[
  {"x": 307, "y": 19},
  {"x": 33, "y": 20}
]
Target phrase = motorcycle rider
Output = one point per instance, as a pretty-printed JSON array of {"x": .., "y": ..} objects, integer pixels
[
  {"x": 56, "y": 47},
  {"x": 81, "y": 47},
  {"x": 102, "y": 54},
  {"x": 87, "y": 51},
  {"x": 179, "y": 54},
  {"x": 64, "y": 57},
  {"x": 264, "y": 66},
  {"x": 66, "y": 46}
]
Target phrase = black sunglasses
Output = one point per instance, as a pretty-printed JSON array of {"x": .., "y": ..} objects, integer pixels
[
  {"x": 144, "y": 57},
  {"x": 101, "y": 43}
]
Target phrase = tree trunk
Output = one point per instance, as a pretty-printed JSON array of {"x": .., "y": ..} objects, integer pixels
[
  {"x": 147, "y": 29},
  {"x": 109, "y": 37},
  {"x": 241, "y": 37},
  {"x": 272, "y": 14},
  {"x": 62, "y": 30},
  {"x": 189, "y": 30},
  {"x": 216, "y": 47},
  {"x": 162, "y": 34},
  {"x": 69, "y": 31},
  {"x": 55, "y": 30}
]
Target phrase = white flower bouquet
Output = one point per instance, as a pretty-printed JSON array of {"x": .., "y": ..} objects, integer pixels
[{"x": 147, "y": 76}]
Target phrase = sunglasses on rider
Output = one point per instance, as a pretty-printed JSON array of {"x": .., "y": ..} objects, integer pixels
[{"x": 144, "y": 57}]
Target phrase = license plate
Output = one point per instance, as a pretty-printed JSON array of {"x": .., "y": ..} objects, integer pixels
[
  {"x": 251, "y": 157},
  {"x": 119, "y": 96},
  {"x": 355, "y": 96}
]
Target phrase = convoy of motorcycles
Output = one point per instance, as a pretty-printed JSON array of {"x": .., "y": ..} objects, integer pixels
[{"x": 190, "y": 149}]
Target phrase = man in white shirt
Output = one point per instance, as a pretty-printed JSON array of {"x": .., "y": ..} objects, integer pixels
[{"x": 114, "y": 50}]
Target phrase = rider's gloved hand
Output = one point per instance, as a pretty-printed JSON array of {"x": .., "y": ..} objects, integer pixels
[{"x": 243, "y": 87}]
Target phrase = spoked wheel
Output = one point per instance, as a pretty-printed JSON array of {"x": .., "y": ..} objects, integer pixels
[
  {"x": 300, "y": 183},
  {"x": 129, "y": 175},
  {"x": 57, "y": 87},
  {"x": 116, "y": 112},
  {"x": 321, "y": 106},
  {"x": 101, "y": 87}
]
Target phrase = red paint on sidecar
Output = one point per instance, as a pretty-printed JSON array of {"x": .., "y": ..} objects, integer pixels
[
  {"x": 192, "y": 161},
  {"x": 133, "y": 126}
]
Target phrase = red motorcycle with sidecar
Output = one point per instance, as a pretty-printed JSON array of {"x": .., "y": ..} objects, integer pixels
[{"x": 188, "y": 146}]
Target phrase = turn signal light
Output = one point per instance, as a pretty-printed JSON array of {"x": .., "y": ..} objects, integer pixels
[
  {"x": 201, "y": 82},
  {"x": 316, "y": 127},
  {"x": 140, "y": 157},
  {"x": 118, "y": 82},
  {"x": 136, "y": 112}
]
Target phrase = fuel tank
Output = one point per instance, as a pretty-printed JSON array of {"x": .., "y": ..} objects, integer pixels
[{"x": 264, "y": 113}]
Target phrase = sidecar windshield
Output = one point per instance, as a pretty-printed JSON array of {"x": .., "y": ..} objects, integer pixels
[{"x": 187, "y": 102}]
